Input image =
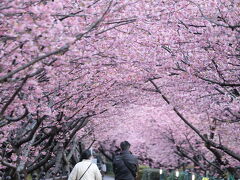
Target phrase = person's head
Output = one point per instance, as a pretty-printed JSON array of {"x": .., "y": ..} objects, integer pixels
[
  {"x": 125, "y": 145},
  {"x": 86, "y": 154}
]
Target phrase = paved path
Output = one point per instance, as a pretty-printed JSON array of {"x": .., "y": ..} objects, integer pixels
[{"x": 108, "y": 178}]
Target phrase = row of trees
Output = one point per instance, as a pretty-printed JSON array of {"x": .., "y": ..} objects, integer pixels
[
  {"x": 63, "y": 63},
  {"x": 196, "y": 45},
  {"x": 206, "y": 76},
  {"x": 56, "y": 74}
]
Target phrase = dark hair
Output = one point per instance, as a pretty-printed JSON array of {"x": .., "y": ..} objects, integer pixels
[
  {"x": 86, "y": 154},
  {"x": 125, "y": 145}
]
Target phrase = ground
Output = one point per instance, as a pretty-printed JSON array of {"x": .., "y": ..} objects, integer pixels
[{"x": 108, "y": 178}]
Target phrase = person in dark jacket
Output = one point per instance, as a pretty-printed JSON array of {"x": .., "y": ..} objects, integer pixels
[{"x": 125, "y": 165}]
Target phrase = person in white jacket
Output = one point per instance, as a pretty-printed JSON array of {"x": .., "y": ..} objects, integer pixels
[{"x": 85, "y": 170}]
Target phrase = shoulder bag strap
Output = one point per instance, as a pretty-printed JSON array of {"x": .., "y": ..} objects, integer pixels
[
  {"x": 133, "y": 174},
  {"x": 85, "y": 171}
]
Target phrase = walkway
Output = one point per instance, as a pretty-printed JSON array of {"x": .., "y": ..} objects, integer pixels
[{"x": 108, "y": 178}]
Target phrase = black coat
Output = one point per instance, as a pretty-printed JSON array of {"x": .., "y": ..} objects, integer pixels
[{"x": 125, "y": 166}]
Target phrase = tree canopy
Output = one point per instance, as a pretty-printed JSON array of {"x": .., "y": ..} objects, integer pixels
[{"x": 75, "y": 69}]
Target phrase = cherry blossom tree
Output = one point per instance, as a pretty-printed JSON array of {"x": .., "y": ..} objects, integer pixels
[
  {"x": 64, "y": 63},
  {"x": 55, "y": 76},
  {"x": 206, "y": 72},
  {"x": 193, "y": 53}
]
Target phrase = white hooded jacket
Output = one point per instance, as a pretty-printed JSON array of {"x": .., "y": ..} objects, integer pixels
[{"x": 92, "y": 173}]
